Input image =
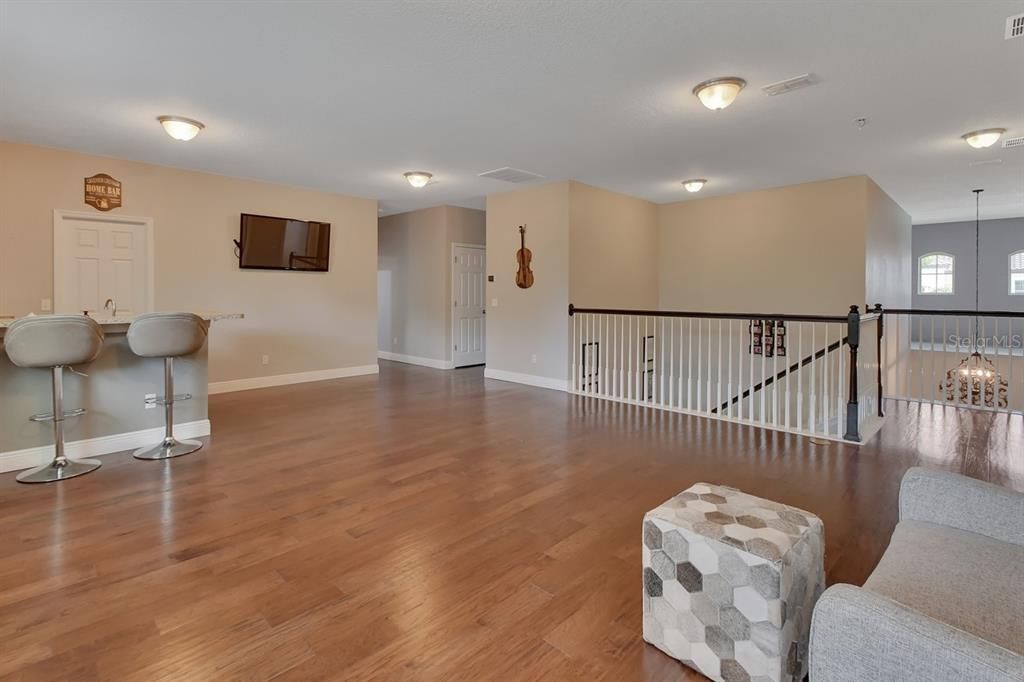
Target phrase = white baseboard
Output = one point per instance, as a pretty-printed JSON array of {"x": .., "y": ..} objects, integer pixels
[
  {"x": 414, "y": 360},
  {"x": 285, "y": 379},
  {"x": 96, "y": 447},
  {"x": 528, "y": 379}
]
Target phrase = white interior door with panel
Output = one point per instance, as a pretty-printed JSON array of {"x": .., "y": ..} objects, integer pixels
[
  {"x": 97, "y": 257},
  {"x": 468, "y": 311}
]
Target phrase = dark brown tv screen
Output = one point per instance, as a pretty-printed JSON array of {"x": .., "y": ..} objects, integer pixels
[{"x": 269, "y": 243}]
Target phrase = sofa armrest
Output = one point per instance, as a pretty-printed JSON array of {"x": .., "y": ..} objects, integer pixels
[
  {"x": 964, "y": 503},
  {"x": 857, "y": 635}
]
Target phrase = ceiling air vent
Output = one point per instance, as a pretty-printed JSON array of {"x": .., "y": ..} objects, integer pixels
[
  {"x": 507, "y": 174},
  {"x": 788, "y": 85},
  {"x": 1015, "y": 26},
  {"x": 1014, "y": 141}
]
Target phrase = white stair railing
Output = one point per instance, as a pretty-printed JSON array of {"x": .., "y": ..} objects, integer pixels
[
  {"x": 785, "y": 372},
  {"x": 961, "y": 358}
]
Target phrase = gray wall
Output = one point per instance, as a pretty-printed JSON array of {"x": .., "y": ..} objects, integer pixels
[{"x": 999, "y": 238}]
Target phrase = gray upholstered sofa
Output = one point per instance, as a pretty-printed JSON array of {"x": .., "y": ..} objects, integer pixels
[{"x": 946, "y": 601}]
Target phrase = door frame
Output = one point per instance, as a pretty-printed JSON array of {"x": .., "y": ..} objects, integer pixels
[
  {"x": 59, "y": 235},
  {"x": 451, "y": 289}
]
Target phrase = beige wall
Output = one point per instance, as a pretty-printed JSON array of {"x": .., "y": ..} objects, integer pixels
[
  {"x": 814, "y": 248},
  {"x": 888, "y": 270},
  {"x": 613, "y": 254},
  {"x": 797, "y": 249},
  {"x": 303, "y": 321},
  {"x": 414, "y": 273},
  {"x": 527, "y": 331},
  {"x": 591, "y": 247}
]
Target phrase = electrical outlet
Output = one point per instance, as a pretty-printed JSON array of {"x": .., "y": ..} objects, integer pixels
[
  {"x": 265, "y": 360},
  {"x": 533, "y": 358},
  {"x": 46, "y": 306},
  {"x": 150, "y": 401},
  {"x": 494, "y": 303},
  {"x": 394, "y": 341}
]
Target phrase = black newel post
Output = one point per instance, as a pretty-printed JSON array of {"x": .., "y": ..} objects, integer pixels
[
  {"x": 881, "y": 331},
  {"x": 852, "y": 409}
]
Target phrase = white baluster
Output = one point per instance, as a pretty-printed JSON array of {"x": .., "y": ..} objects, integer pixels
[
  {"x": 572, "y": 369},
  {"x": 788, "y": 371},
  {"x": 931, "y": 360},
  {"x": 813, "y": 413},
  {"x": 750, "y": 382},
  {"x": 654, "y": 355},
  {"x": 700, "y": 361},
  {"x": 689, "y": 366},
  {"x": 775, "y": 372},
  {"x": 826, "y": 376},
  {"x": 800, "y": 377},
  {"x": 1011, "y": 387},
  {"x": 681, "y": 370},
  {"x": 764, "y": 361},
  {"x": 728, "y": 408},
  {"x": 661, "y": 373},
  {"x": 718, "y": 374},
  {"x": 671, "y": 360},
  {"x": 602, "y": 356},
  {"x": 842, "y": 356}
]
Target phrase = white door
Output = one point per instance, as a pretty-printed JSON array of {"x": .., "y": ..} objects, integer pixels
[
  {"x": 96, "y": 258},
  {"x": 468, "y": 290}
]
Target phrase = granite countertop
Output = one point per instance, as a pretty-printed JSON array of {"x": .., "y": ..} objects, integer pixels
[{"x": 106, "y": 321}]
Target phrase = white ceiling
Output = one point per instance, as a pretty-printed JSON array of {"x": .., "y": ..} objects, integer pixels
[{"x": 345, "y": 96}]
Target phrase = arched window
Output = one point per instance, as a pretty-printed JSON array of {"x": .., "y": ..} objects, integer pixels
[
  {"x": 1017, "y": 274},
  {"x": 935, "y": 274}
]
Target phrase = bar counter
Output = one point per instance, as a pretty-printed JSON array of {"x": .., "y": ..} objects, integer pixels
[{"x": 113, "y": 392}]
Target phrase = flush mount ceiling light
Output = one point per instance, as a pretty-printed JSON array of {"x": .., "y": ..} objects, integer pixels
[
  {"x": 417, "y": 178},
  {"x": 718, "y": 93},
  {"x": 180, "y": 128},
  {"x": 694, "y": 185},
  {"x": 979, "y": 139}
]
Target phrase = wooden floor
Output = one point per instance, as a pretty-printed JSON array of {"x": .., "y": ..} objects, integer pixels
[{"x": 419, "y": 525}]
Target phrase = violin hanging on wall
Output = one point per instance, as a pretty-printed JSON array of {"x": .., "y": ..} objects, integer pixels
[{"x": 524, "y": 275}]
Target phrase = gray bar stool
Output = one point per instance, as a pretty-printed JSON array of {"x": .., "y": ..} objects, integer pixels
[
  {"x": 167, "y": 336},
  {"x": 54, "y": 342}
]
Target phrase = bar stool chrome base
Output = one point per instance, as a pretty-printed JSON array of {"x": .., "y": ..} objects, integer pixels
[
  {"x": 170, "y": 447},
  {"x": 57, "y": 471}
]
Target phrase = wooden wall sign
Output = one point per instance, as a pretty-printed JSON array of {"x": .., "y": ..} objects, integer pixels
[{"x": 102, "y": 192}]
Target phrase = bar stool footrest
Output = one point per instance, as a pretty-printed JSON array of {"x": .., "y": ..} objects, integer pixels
[
  {"x": 48, "y": 416},
  {"x": 161, "y": 400}
]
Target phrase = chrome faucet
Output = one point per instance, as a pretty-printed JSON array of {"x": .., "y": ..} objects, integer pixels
[{"x": 111, "y": 306}]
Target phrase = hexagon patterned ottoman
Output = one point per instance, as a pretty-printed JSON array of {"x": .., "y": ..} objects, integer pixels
[{"x": 730, "y": 581}]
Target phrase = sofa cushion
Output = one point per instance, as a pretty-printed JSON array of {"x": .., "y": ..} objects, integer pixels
[{"x": 966, "y": 580}]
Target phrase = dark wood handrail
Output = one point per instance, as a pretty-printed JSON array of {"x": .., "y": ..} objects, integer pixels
[
  {"x": 953, "y": 313},
  {"x": 817, "y": 355},
  {"x": 713, "y": 316}
]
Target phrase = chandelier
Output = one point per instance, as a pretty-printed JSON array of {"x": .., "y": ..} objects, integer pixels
[{"x": 976, "y": 381}]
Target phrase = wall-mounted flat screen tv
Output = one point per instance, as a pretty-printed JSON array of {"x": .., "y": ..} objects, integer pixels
[{"x": 268, "y": 243}]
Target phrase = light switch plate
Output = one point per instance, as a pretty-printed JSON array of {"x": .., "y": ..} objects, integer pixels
[
  {"x": 494, "y": 303},
  {"x": 46, "y": 305}
]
